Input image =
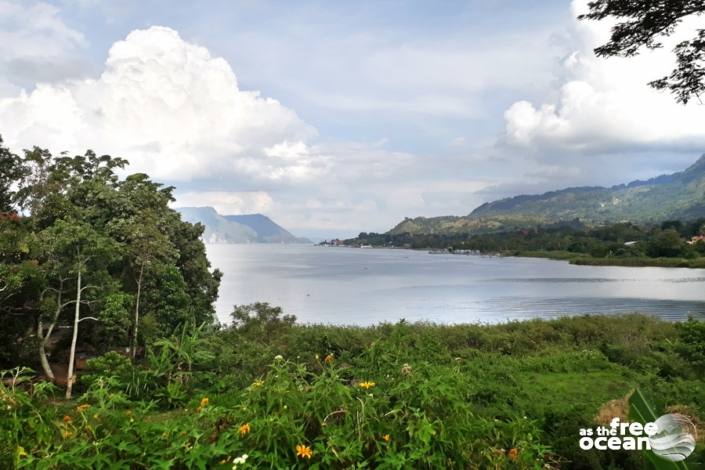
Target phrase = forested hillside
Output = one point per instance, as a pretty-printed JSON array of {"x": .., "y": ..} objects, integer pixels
[{"x": 667, "y": 197}]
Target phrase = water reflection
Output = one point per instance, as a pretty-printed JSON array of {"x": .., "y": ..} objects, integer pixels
[{"x": 358, "y": 286}]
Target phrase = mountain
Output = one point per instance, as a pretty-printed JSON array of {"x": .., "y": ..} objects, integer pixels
[
  {"x": 248, "y": 228},
  {"x": 676, "y": 196}
]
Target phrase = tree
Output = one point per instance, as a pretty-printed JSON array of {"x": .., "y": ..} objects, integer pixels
[
  {"x": 54, "y": 308},
  {"x": 642, "y": 23},
  {"x": 666, "y": 243},
  {"x": 84, "y": 254},
  {"x": 12, "y": 171},
  {"x": 139, "y": 225}
]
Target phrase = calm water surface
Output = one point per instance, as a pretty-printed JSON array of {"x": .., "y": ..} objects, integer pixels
[{"x": 364, "y": 286}]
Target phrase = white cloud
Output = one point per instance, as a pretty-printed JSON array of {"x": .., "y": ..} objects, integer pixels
[
  {"x": 228, "y": 203},
  {"x": 35, "y": 45},
  {"x": 168, "y": 106},
  {"x": 606, "y": 104}
]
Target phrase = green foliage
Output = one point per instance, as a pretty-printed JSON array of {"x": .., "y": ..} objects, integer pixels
[
  {"x": 389, "y": 396},
  {"x": 623, "y": 244},
  {"x": 641, "y": 25},
  {"x": 692, "y": 343},
  {"x": 139, "y": 262}
]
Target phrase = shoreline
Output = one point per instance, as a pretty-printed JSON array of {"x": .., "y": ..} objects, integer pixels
[{"x": 572, "y": 258}]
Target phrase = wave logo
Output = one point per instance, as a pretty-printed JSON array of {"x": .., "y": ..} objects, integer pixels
[
  {"x": 671, "y": 437},
  {"x": 674, "y": 438}
]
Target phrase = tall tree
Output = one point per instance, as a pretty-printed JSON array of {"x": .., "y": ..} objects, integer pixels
[
  {"x": 139, "y": 224},
  {"x": 643, "y": 23},
  {"x": 12, "y": 171},
  {"x": 85, "y": 254}
]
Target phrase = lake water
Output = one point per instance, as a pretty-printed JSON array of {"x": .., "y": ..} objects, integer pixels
[{"x": 365, "y": 286}]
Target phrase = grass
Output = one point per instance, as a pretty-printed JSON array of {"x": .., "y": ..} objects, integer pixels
[{"x": 389, "y": 396}]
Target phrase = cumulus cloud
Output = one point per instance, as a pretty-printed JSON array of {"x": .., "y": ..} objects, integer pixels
[
  {"x": 172, "y": 109},
  {"x": 606, "y": 105}
]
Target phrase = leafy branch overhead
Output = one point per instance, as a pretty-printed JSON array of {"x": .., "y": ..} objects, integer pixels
[{"x": 644, "y": 23}]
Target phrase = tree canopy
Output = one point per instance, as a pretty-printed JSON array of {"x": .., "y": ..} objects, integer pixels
[
  {"x": 643, "y": 24},
  {"x": 79, "y": 242}
]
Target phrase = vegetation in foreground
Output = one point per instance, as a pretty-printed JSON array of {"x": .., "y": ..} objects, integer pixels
[
  {"x": 108, "y": 294},
  {"x": 670, "y": 244},
  {"x": 269, "y": 393}
]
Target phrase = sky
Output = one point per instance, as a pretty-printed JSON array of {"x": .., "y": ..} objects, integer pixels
[{"x": 340, "y": 117}]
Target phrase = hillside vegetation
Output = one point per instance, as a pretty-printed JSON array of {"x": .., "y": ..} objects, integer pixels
[
  {"x": 274, "y": 394},
  {"x": 677, "y": 196},
  {"x": 670, "y": 244}
]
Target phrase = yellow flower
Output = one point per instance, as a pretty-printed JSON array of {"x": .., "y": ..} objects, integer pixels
[
  {"x": 329, "y": 359},
  {"x": 244, "y": 429},
  {"x": 82, "y": 408},
  {"x": 258, "y": 383},
  {"x": 387, "y": 438},
  {"x": 204, "y": 402},
  {"x": 367, "y": 385},
  {"x": 67, "y": 419},
  {"x": 303, "y": 451},
  {"x": 21, "y": 452}
]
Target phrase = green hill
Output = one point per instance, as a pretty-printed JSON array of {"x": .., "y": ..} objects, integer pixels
[{"x": 676, "y": 196}]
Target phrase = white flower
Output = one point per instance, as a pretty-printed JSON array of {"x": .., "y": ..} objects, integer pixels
[
  {"x": 239, "y": 460},
  {"x": 278, "y": 357}
]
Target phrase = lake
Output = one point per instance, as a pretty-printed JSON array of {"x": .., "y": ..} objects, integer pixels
[{"x": 366, "y": 286}]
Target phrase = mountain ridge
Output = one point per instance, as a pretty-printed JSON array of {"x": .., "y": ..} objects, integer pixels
[
  {"x": 242, "y": 228},
  {"x": 679, "y": 195}
]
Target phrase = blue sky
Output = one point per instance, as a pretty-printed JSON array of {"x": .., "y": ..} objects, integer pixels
[{"x": 339, "y": 117}]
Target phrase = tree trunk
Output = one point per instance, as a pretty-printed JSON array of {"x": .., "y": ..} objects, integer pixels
[
  {"x": 72, "y": 356},
  {"x": 44, "y": 339},
  {"x": 43, "y": 354},
  {"x": 137, "y": 313}
]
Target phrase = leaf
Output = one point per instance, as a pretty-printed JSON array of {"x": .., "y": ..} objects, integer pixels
[{"x": 640, "y": 409}]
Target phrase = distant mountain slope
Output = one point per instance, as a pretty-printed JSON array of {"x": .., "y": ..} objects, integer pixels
[
  {"x": 677, "y": 196},
  {"x": 249, "y": 228},
  {"x": 267, "y": 230}
]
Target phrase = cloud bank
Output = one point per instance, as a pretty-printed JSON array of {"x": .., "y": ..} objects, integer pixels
[
  {"x": 606, "y": 105},
  {"x": 172, "y": 109}
]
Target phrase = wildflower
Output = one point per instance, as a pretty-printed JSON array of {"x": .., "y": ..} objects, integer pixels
[
  {"x": 513, "y": 453},
  {"x": 239, "y": 461},
  {"x": 244, "y": 429},
  {"x": 82, "y": 408},
  {"x": 278, "y": 357},
  {"x": 387, "y": 438},
  {"x": 258, "y": 383},
  {"x": 204, "y": 402},
  {"x": 303, "y": 451},
  {"x": 329, "y": 359},
  {"x": 67, "y": 419},
  {"x": 21, "y": 452},
  {"x": 406, "y": 369},
  {"x": 367, "y": 384}
]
